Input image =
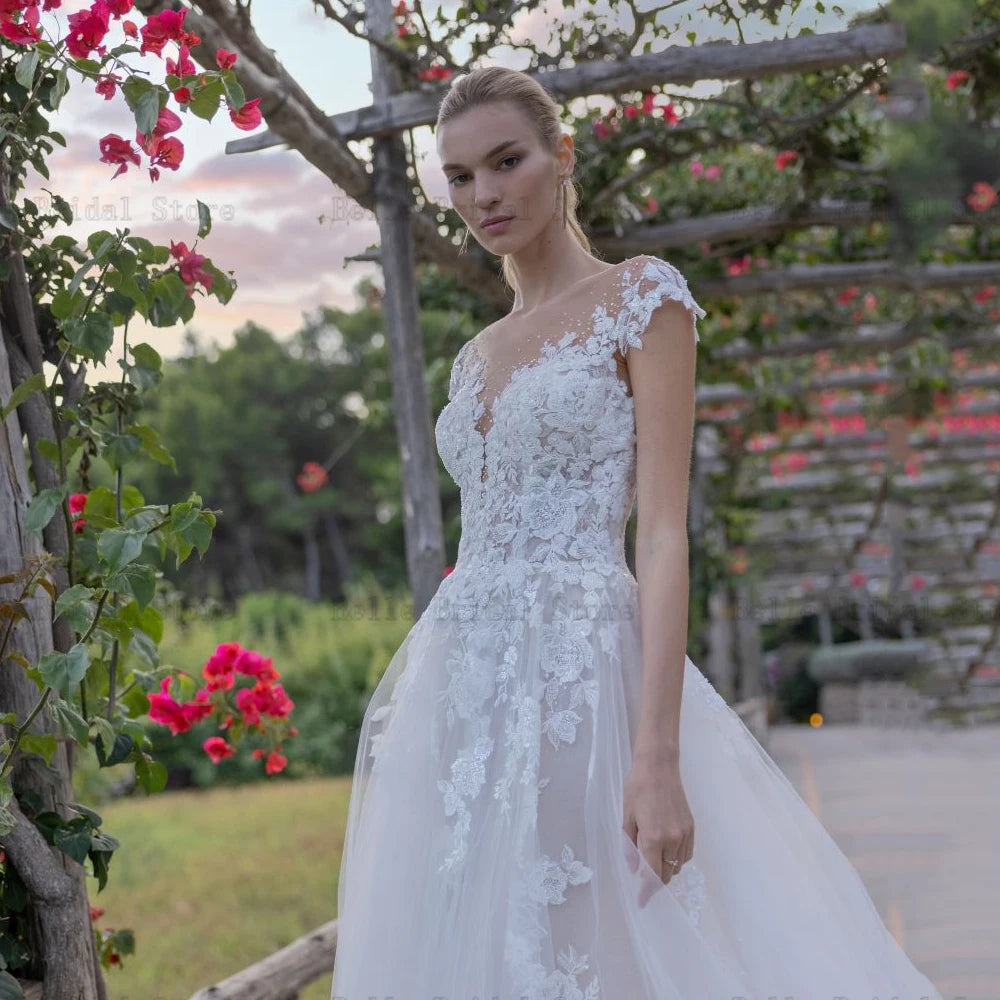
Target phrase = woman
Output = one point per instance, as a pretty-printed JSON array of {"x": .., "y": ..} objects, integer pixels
[{"x": 550, "y": 801}]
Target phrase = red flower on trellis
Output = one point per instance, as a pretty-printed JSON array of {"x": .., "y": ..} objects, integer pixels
[
  {"x": 312, "y": 477},
  {"x": 983, "y": 197}
]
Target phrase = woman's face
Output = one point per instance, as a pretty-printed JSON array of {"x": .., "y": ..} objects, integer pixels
[{"x": 494, "y": 166}]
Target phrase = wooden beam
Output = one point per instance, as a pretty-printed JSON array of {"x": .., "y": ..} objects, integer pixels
[
  {"x": 676, "y": 64},
  {"x": 281, "y": 975}
]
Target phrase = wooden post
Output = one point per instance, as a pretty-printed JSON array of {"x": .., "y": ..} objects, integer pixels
[{"x": 425, "y": 555}]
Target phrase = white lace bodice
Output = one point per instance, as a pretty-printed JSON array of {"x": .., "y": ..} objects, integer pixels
[{"x": 546, "y": 465}]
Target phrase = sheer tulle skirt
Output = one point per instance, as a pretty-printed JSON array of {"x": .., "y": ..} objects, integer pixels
[{"x": 485, "y": 857}]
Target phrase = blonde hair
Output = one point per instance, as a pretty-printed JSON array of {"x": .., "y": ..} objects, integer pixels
[{"x": 493, "y": 84}]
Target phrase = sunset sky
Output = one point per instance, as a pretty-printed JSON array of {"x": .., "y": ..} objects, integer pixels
[{"x": 265, "y": 205}]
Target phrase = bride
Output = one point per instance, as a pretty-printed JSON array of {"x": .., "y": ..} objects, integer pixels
[{"x": 550, "y": 801}]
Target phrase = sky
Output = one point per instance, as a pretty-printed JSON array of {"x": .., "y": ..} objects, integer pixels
[{"x": 274, "y": 218}]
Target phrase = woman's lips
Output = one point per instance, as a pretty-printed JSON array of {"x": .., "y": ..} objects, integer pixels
[{"x": 496, "y": 227}]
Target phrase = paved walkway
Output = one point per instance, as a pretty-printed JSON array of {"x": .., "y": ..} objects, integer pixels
[{"x": 918, "y": 813}]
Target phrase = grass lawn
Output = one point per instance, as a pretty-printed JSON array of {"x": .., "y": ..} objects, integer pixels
[{"x": 211, "y": 881}]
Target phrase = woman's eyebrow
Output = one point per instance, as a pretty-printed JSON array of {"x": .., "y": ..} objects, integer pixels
[{"x": 496, "y": 149}]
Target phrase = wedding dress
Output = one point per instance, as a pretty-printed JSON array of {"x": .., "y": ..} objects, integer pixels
[{"x": 485, "y": 857}]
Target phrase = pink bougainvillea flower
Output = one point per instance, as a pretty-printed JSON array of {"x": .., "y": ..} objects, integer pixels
[
  {"x": 275, "y": 762},
  {"x": 670, "y": 115},
  {"x": 741, "y": 265},
  {"x": 200, "y": 708},
  {"x": 166, "y": 152},
  {"x": 166, "y": 711},
  {"x": 87, "y": 29},
  {"x": 785, "y": 157},
  {"x": 166, "y": 26},
  {"x": 106, "y": 86},
  {"x": 217, "y": 748},
  {"x": 166, "y": 121},
  {"x": 956, "y": 78},
  {"x": 225, "y": 59},
  {"x": 696, "y": 167},
  {"x": 115, "y": 149},
  {"x": 253, "y": 664},
  {"x": 193, "y": 273},
  {"x": 712, "y": 173},
  {"x": 183, "y": 65},
  {"x": 183, "y": 95},
  {"x": 248, "y": 116},
  {"x": 77, "y": 502},
  {"x": 22, "y": 32},
  {"x": 130, "y": 28},
  {"x": 647, "y": 102}
]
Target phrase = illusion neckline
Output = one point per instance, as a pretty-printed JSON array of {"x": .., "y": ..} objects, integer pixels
[{"x": 477, "y": 386}]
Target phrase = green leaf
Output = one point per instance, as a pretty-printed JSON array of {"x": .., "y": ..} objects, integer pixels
[
  {"x": 167, "y": 297},
  {"x": 43, "y": 506},
  {"x": 8, "y": 217},
  {"x": 235, "y": 94},
  {"x": 204, "y": 219},
  {"x": 64, "y": 303},
  {"x": 147, "y": 111},
  {"x": 150, "y": 439},
  {"x": 100, "y": 243},
  {"x": 151, "y": 774},
  {"x": 43, "y": 744},
  {"x": 68, "y": 720},
  {"x": 60, "y": 85},
  {"x": 9, "y": 988},
  {"x": 21, "y": 392},
  {"x": 74, "y": 839},
  {"x": 206, "y": 100},
  {"x": 71, "y": 597},
  {"x": 92, "y": 334},
  {"x": 137, "y": 580},
  {"x": 64, "y": 671},
  {"x": 119, "y": 448},
  {"x": 105, "y": 735},
  {"x": 119, "y": 546},
  {"x": 143, "y": 646},
  {"x": 120, "y": 749},
  {"x": 26, "y": 66}
]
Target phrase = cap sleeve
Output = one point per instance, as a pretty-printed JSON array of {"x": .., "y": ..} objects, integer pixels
[{"x": 647, "y": 283}]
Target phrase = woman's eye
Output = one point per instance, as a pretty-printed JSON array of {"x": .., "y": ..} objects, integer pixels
[{"x": 504, "y": 160}]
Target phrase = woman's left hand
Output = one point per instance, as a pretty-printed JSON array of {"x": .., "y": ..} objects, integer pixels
[{"x": 657, "y": 818}]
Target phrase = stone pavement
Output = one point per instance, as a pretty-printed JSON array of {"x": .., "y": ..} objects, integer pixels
[{"x": 917, "y": 811}]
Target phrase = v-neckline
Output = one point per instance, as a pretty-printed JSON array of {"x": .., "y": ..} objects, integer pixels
[{"x": 482, "y": 362}]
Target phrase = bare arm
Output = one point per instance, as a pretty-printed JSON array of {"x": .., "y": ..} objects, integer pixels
[
  {"x": 662, "y": 375},
  {"x": 657, "y": 817}
]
